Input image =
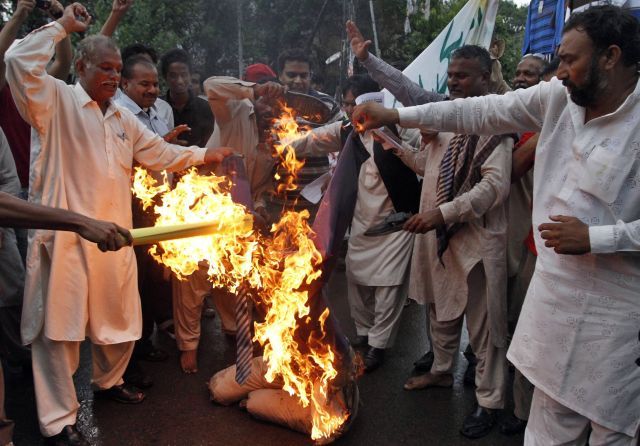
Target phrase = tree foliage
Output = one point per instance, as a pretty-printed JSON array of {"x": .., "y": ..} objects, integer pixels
[{"x": 208, "y": 29}]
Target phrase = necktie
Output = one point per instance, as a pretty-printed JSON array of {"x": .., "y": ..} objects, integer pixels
[{"x": 244, "y": 346}]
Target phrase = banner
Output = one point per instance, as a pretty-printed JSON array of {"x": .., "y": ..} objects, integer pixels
[{"x": 473, "y": 25}]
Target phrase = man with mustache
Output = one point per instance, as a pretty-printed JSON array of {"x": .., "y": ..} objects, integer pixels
[
  {"x": 576, "y": 340},
  {"x": 81, "y": 161},
  {"x": 468, "y": 276}
]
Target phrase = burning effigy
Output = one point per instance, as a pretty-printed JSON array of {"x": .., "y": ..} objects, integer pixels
[{"x": 305, "y": 378}]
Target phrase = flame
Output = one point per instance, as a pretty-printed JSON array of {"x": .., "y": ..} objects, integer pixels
[
  {"x": 277, "y": 266},
  {"x": 287, "y": 130}
]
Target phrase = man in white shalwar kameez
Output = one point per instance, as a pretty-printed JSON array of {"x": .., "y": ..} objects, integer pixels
[
  {"x": 82, "y": 161},
  {"x": 577, "y": 337}
]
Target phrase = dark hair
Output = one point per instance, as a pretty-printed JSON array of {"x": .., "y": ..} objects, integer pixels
[
  {"x": 131, "y": 62},
  {"x": 173, "y": 56},
  {"x": 609, "y": 25},
  {"x": 551, "y": 67},
  {"x": 360, "y": 84},
  {"x": 293, "y": 54},
  {"x": 474, "y": 52},
  {"x": 139, "y": 48}
]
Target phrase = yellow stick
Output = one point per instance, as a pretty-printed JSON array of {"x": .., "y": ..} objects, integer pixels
[{"x": 155, "y": 234}]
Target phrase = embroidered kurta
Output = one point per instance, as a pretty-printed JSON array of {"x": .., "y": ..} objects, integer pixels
[
  {"x": 577, "y": 337},
  {"x": 81, "y": 160}
]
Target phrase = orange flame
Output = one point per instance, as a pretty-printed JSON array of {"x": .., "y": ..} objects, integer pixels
[
  {"x": 287, "y": 130},
  {"x": 276, "y": 266}
]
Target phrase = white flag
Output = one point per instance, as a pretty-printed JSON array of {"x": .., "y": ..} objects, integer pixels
[{"x": 473, "y": 25}]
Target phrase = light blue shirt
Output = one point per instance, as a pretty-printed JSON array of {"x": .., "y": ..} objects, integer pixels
[{"x": 151, "y": 119}]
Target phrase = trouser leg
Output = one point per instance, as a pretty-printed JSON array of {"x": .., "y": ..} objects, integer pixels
[
  {"x": 188, "y": 299},
  {"x": 361, "y": 304},
  {"x": 388, "y": 302},
  {"x": 552, "y": 424},
  {"x": 522, "y": 395},
  {"x": 109, "y": 363},
  {"x": 491, "y": 369},
  {"x": 445, "y": 338},
  {"x": 6, "y": 426},
  {"x": 54, "y": 363}
]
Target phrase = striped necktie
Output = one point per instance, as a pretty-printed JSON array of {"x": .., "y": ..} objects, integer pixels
[{"x": 244, "y": 346}]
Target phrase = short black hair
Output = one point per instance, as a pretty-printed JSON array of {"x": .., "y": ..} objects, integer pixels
[
  {"x": 474, "y": 52},
  {"x": 172, "y": 56},
  {"x": 131, "y": 62},
  {"x": 551, "y": 67},
  {"x": 609, "y": 25},
  {"x": 360, "y": 84},
  {"x": 293, "y": 54},
  {"x": 139, "y": 48}
]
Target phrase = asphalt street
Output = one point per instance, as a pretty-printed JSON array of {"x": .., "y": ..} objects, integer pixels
[{"x": 177, "y": 410}]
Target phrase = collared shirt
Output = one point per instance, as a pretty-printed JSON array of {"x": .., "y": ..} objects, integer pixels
[
  {"x": 577, "y": 336},
  {"x": 197, "y": 115},
  {"x": 81, "y": 160},
  {"x": 163, "y": 109},
  {"x": 151, "y": 119}
]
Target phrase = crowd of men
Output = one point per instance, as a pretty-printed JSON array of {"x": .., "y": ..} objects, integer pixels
[{"x": 515, "y": 214}]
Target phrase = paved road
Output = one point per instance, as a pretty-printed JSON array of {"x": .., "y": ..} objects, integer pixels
[{"x": 177, "y": 410}]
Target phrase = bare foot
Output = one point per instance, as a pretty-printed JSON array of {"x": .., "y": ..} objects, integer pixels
[
  {"x": 428, "y": 380},
  {"x": 189, "y": 361}
]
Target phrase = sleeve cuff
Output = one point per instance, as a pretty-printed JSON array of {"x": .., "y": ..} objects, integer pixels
[
  {"x": 449, "y": 213},
  {"x": 602, "y": 239},
  {"x": 62, "y": 33}
]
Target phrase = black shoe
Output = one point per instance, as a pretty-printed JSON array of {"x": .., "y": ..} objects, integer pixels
[
  {"x": 392, "y": 223},
  {"x": 424, "y": 363},
  {"x": 360, "y": 341},
  {"x": 512, "y": 425},
  {"x": 70, "y": 436},
  {"x": 124, "y": 393},
  {"x": 373, "y": 359},
  {"x": 478, "y": 423}
]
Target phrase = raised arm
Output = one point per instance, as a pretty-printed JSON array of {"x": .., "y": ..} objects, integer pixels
[
  {"x": 10, "y": 31},
  {"x": 320, "y": 141},
  {"x": 517, "y": 111},
  {"x": 400, "y": 86},
  {"x": 119, "y": 9},
  {"x": 61, "y": 66},
  {"x": 33, "y": 89}
]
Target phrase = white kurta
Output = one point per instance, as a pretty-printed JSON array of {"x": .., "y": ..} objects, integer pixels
[
  {"x": 81, "y": 161},
  {"x": 382, "y": 260},
  {"x": 577, "y": 337}
]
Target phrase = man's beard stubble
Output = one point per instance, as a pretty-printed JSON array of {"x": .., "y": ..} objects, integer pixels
[{"x": 587, "y": 94}]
